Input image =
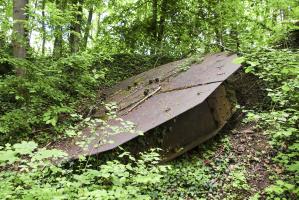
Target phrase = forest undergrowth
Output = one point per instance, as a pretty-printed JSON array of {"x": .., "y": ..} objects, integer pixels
[
  {"x": 256, "y": 158},
  {"x": 57, "y": 58}
]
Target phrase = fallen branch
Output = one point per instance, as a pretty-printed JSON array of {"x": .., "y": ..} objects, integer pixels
[{"x": 145, "y": 98}]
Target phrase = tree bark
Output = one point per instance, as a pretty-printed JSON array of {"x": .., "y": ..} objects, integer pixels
[
  {"x": 219, "y": 38},
  {"x": 87, "y": 28},
  {"x": 19, "y": 16},
  {"x": 154, "y": 18},
  {"x": 98, "y": 25},
  {"x": 58, "y": 41},
  {"x": 219, "y": 29},
  {"x": 20, "y": 35},
  {"x": 2, "y": 38},
  {"x": 162, "y": 20},
  {"x": 43, "y": 27},
  {"x": 154, "y": 26},
  {"x": 74, "y": 39}
]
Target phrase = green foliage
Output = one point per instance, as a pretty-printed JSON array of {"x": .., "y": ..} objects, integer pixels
[
  {"x": 196, "y": 176},
  {"x": 195, "y": 59},
  {"x": 129, "y": 26},
  {"x": 45, "y": 99},
  {"x": 36, "y": 177},
  {"x": 239, "y": 181},
  {"x": 55, "y": 94},
  {"x": 279, "y": 69},
  {"x": 280, "y": 188},
  {"x": 190, "y": 178}
]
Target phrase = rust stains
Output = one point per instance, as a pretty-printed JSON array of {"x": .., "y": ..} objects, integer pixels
[{"x": 162, "y": 94}]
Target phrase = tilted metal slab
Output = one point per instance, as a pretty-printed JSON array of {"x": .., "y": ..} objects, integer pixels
[{"x": 161, "y": 94}]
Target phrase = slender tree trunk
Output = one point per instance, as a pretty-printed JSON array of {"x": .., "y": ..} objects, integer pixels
[
  {"x": 2, "y": 38},
  {"x": 282, "y": 14},
  {"x": 58, "y": 41},
  {"x": 20, "y": 40},
  {"x": 235, "y": 36},
  {"x": 87, "y": 28},
  {"x": 154, "y": 26},
  {"x": 219, "y": 38},
  {"x": 154, "y": 18},
  {"x": 43, "y": 27},
  {"x": 219, "y": 29},
  {"x": 98, "y": 25},
  {"x": 75, "y": 28},
  {"x": 162, "y": 21}
]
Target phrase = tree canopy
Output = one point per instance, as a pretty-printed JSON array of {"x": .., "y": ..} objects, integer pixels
[{"x": 178, "y": 28}]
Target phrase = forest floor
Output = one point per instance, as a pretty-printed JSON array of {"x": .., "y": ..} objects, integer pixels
[
  {"x": 239, "y": 158},
  {"x": 238, "y": 161},
  {"x": 255, "y": 156},
  {"x": 250, "y": 150}
]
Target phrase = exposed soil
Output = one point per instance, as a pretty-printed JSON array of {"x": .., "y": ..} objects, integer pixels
[
  {"x": 251, "y": 149},
  {"x": 249, "y": 146}
]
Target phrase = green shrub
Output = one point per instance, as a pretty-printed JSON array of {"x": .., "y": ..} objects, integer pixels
[
  {"x": 30, "y": 174},
  {"x": 279, "y": 69},
  {"x": 41, "y": 102}
]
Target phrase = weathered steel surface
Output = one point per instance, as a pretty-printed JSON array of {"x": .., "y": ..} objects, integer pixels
[
  {"x": 175, "y": 93},
  {"x": 205, "y": 120},
  {"x": 188, "y": 129}
]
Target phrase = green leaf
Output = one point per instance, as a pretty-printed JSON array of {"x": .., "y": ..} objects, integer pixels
[
  {"x": 70, "y": 133},
  {"x": 253, "y": 64},
  {"x": 8, "y": 156},
  {"x": 25, "y": 147},
  {"x": 239, "y": 60},
  {"x": 285, "y": 88},
  {"x": 46, "y": 153},
  {"x": 293, "y": 167},
  {"x": 249, "y": 69},
  {"x": 52, "y": 121}
]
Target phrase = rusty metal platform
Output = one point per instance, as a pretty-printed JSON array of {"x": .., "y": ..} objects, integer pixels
[{"x": 166, "y": 95}]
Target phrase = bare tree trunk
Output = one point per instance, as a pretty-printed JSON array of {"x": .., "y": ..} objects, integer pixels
[
  {"x": 58, "y": 41},
  {"x": 98, "y": 25},
  {"x": 2, "y": 38},
  {"x": 219, "y": 38},
  {"x": 219, "y": 29},
  {"x": 57, "y": 50},
  {"x": 162, "y": 20},
  {"x": 19, "y": 16},
  {"x": 43, "y": 27},
  {"x": 20, "y": 39},
  {"x": 154, "y": 18},
  {"x": 87, "y": 28},
  {"x": 153, "y": 26},
  {"x": 75, "y": 28}
]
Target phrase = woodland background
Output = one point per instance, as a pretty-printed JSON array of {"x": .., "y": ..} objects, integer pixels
[{"x": 56, "y": 55}]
